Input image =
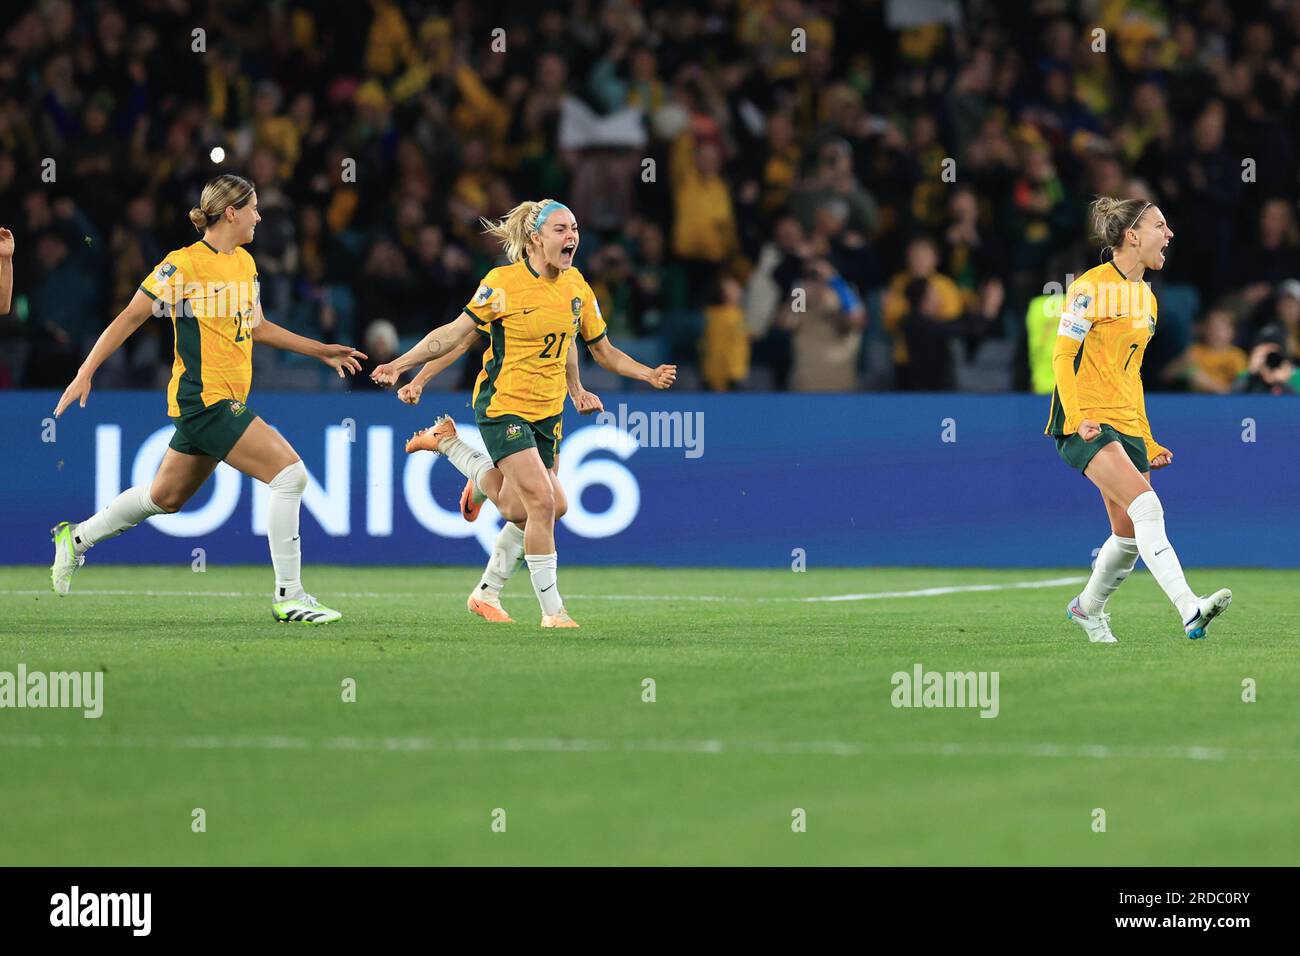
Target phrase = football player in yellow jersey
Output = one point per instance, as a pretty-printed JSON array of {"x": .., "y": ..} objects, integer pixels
[
  {"x": 508, "y": 551},
  {"x": 531, "y": 311},
  {"x": 209, "y": 290},
  {"x": 1098, "y": 414}
]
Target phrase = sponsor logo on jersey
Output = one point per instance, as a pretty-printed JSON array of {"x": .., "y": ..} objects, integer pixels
[
  {"x": 1074, "y": 328},
  {"x": 165, "y": 271},
  {"x": 484, "y": 293},
  {"x": 1080, "y": 304}
]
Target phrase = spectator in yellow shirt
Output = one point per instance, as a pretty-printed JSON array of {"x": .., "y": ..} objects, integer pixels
[
  {"x": 1215, "y": 362},
  {"x": 389, "y": 47},
  {"x": 704, "y": 222},
  {"x": 910, "y": 309},
  {"x": 724, "y": 347}
]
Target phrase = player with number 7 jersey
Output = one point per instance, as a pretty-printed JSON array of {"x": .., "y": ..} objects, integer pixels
[
  {"x": 1098, "y": 415},
  {"x": 1106, "y": 324}
]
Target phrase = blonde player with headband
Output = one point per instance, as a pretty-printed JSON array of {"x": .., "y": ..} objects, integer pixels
[
  {"x": 210, "y": 291},
  {"x": 1099, "y": 420},
  {"x": 531, "y": 310}
]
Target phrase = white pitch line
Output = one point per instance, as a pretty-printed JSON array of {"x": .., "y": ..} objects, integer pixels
[
  {"x": 932, "y": 592},
  {"x": 829, "y": 748},
  {"x": 870, "y": 596}
]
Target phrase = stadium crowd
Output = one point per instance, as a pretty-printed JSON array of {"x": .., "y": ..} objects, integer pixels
[{"x": 774, "y": 194}]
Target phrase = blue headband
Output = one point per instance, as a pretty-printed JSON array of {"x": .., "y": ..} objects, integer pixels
[{"x": 546, "y": 210}]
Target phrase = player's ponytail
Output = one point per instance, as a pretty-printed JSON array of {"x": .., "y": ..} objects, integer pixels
[
  {"x": 1111, "y": 218},
  {"x": 218, "y": 195},
  {"x": 513, "y": 230}
]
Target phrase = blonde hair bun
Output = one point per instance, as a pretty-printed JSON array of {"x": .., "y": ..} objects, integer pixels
[{"x": 218, "y": 195}]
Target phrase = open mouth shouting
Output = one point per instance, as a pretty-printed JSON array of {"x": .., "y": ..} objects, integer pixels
[{"x": 566, "y": 254}]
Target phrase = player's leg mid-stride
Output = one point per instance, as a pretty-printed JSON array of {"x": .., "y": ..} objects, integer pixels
[{"x": 485, "y": 601}]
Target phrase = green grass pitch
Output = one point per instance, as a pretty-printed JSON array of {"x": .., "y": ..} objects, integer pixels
[{"x": 764, "y": 704}]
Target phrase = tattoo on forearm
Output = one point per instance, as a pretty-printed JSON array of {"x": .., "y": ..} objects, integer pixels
[{"x": 435, "y": 348}]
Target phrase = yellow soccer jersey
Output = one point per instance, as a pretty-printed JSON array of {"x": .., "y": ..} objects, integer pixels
[
  {"x": 1106, "y": 323},
  {"x": 211, "y": 298},
  {"x": 531, "y": 323}
]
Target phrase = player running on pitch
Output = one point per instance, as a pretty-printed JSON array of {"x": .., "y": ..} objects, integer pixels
[
  {"x": 508, "y": 550},
  {"x": 1099, "y": 420},
  {"x": 210, "y": 290},
  {"x": 531, "y": 311}
]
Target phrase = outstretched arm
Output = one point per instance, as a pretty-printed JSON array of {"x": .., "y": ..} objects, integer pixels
[
  {"x": 440, "y": 364},
  {"x": 436, "y": 344},
  {"x": 410, "y": 392},
  {"x": 620, "y": 363},
  {"x": 338, "y": 357},
  {"x": 135, "y": 314}
]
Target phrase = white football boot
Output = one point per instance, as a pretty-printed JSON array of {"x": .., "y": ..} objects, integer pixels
[
  {"x": 303, "y": 609},
  {"x": 1208, "y": 608},
  {"x": 66, "y": 559},
  {"x": 1097, "y": 627}
]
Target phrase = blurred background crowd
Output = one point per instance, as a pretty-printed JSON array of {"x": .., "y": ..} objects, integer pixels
[{"x": 828, "y": 195}]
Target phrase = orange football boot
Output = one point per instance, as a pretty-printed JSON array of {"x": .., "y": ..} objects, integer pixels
[
  {"x": 493, "y": 613},
  {"x": 431, "y": 437},
  {"x": 469, "y": 508},
  {"x": 561, "y": 619}
]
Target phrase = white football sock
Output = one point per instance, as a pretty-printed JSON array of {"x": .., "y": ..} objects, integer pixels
[
  {"x": 282, "y": 529},
  {"x": 125, "y": 511},
  {"x": 469, "y": 461},
  {"x": 1114, "y": 562},
  {"x": 504, "y": 559},
  {"x": 1158, "y": 554},
  {"x": 541, "y": 568}
]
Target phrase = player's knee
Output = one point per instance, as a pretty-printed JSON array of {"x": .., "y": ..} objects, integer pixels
[
  {"x": 540, "y": 502},
  {"x": 1121, "y": 525},
  {"x": 292, "y": 480},
  {"x": 169, "y": 501},
  {"x": 1146, "y": 507},
  {"x": 543, "y": 508}
]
